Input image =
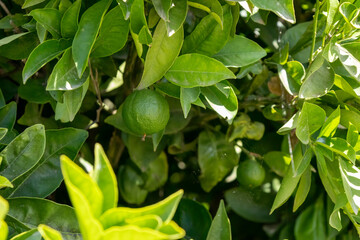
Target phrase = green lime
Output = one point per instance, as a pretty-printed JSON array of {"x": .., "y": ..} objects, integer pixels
[
  {"x": 145, "y": 112},
  {"x": 250, "y": 173}
]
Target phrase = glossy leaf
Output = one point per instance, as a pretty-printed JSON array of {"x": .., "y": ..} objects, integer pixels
[
  {"x": 177, "y": 15},
  {"x": 23, "y": 152},
  {"x": 161, "y": 55},
  {"x": 350, "y": 175},
  {"x": 162, "y": 7},
  {"x": 311, "y": 118},
  {"x": 339, "y": 146},
  {"x": 11, "y": 38},
  {"x": 254, "y": 206},
  {"x": 303, "y": 189},
  {"x": 43, "y": 54},
  {"x": 86, "y": 34},
  {"x": 305, "y": 162},
  {"x": 32, "y": 234},
  {"x": 165, "y": 209},
  {"x": 352, "y": 135},
  {"x": 85, "y": 196},
  {"x": 291, "y": 75},
  {"x": 187, "y": 97},
  {"x": 226, "y": 107},
  {"x": 331, "y": 124},
  {"x": 3, "y": 132},
  {"x": 239, "y": 52},
  {"x": 208, "y": 37},
  {"x": 4, "y": 182},
  {"x": 289, "y": 182},
  {"x": 212, "y": 7},
  {"x": 278, "y": 162},
  {"x": 206, "y": 72},
  {"x": 30, "y": 212},
  {"x": 8, "y": 116},
  {"x": 72, "y": 101},
  {"x": 216, "y": 158},
  {"x": 194, "y": 218},
  {"x": 61, "y": 141},
  {"x": 311, "y": 222},
  {"x": 318, "y": 81},
  {"x": 18, "y": 46},
  {"x": 64, "y": 75},
  {"x": 332, "y": 8},
  {"x": 349, "y": 56},
  {"x": 105, "y": 178},
  {"x": 282, "y": 8},
  {"x": 335, "y": 217},
  {"x": 69, "y": 21},
  {"x": 49, "y": 233},
  {"x": 113, "y": 34},
  {"x": 220, "y": 227},
  {"x": 49, "y": 18}
]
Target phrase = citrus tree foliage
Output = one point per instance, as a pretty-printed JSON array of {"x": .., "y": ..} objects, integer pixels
[{"x": 219, "y": 119}]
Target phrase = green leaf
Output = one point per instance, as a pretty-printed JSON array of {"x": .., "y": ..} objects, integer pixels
[
  {"x": 303, "y": 189},
  {"x": 30, "y": 212},
  {"x": 165, "y": 209},
  {"x": 289, "y": 125},
  {"x": 254, "y": 206},
  {"x": 206, "y": 72},
  {"x": 318, "y": 81},
  {"x": 30, "y": 3},
  {"x": 339, "y": 146},
  {"x": 137, "y": 17},
  {"x": 157, "y": 173},
  {"x": 194, "y": 218},
  {"x": 227, "y": 107},
  {"x": 4, "y": 182},
  {"x": 161, "y": 55},
  {"x": 34, "y": 91},
  {"x": 23, "y": 152},
  {"x": 311, "y": 118},
  {"x": 350, "y": 176},
  {"x": 348, "y": 116},
  {"x": 332, "y": 8},
  {"x": 291, "y": 75},
  {"x": 85, "y": 196},
  {"x": 162, "y": 8},
  {"x": 213, "y": 7},
  {"x": 4, "y": 208},
  {"x": 69, "y": 21},
  {"x": 278, "y": 162},
  {"x": 310, "y": 225},
  {"x": 49, "y": 233},
  {"x": 216, "y": 157},
  {"x": 18, "y": 46},
  {"x": 125, "y": 7},
  {"x": 113, "y": 34},
  {"x": 32, "y": 234},
  {"x": 282, "y": 8},
  {"x": 177, "y": 15},
  {"x": 86, "y": 34},
  {"x": 335, "y": 217},
  {"x": 130, "y": 185},
  {"x": 352, "y": 135},
  {"x": 11, "y": 38},
  {"x": 105, "y": 178},
  {"x": 43, "y": 54},
  {"x": 289, "y": 182},
  {"x": 239, "y": 52},
  {"x": 49, "y": 18},
  {"x": 209, "y": 37},
  {"x": 349, "y": 56},
  {"x": 72, "y": 101},
  {"x": 8, "y": 116},
  {"x": 187, "y": 97},
  {"x": 341, "y": 83},
  {"x": 9, "y": 21},
  {"x": 305, "y": 162},
  {"x": 64, "y": 75},
  {"x": 220, "y": 226},
  {"x": 331, "y": 124},
  {"x": 60, "y": 141},
  {"x": 3, "y": 132}
]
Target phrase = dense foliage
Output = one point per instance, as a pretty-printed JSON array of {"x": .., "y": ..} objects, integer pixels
[{"x": 208, "y": 111}]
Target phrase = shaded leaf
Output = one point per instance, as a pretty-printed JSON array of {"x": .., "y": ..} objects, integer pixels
[
  {"x": 49, "y": 18},
  {"x": 220, "y": 227},
  {"x": 69, "y": 21}
]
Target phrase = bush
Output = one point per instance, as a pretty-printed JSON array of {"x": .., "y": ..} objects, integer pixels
[{"x": 276, "y": 82}]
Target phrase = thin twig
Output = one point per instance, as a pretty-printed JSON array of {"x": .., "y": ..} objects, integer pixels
[
  {"x": 4, "y": 7},
  {"x": 98, "y": 93}
]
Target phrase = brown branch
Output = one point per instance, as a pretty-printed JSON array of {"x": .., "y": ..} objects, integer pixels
[{"x": 95, "y": 82}]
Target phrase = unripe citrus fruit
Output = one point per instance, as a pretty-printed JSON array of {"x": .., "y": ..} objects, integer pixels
[
  {"x": 145, "y": 112},
  {"x": 250, "y": 173}
]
